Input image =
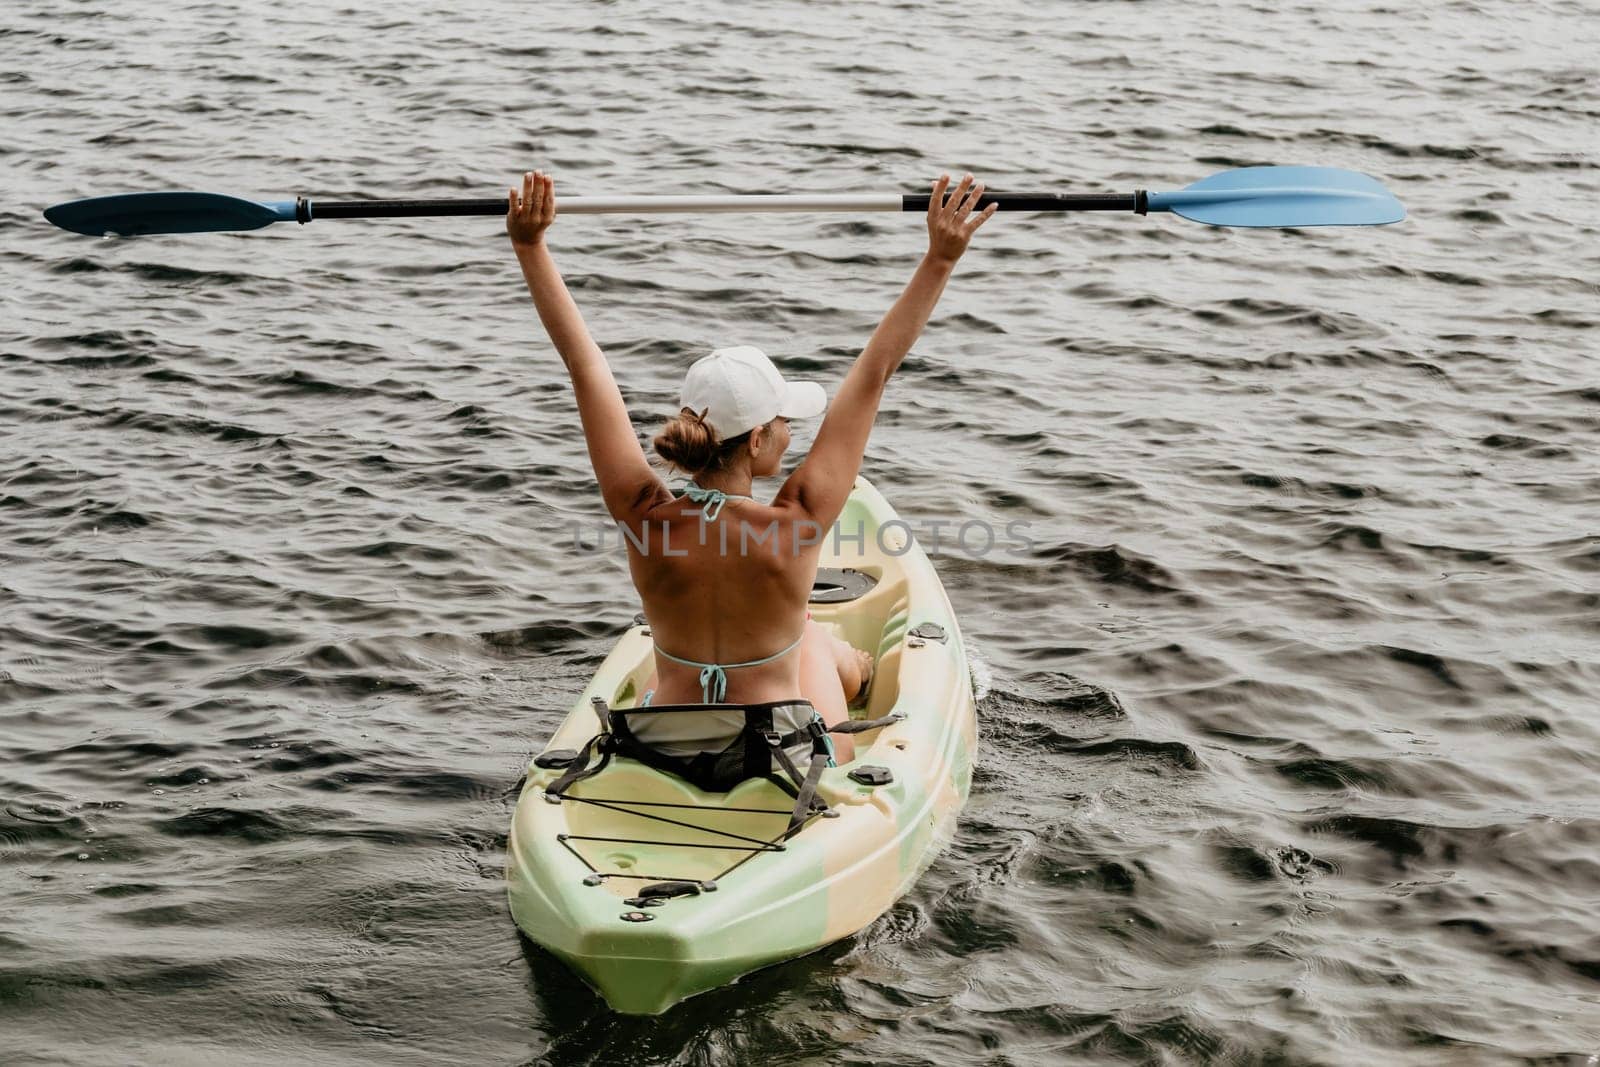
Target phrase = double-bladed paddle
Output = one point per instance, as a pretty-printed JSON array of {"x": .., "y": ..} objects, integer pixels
[{"x": 1249, "y": 196}]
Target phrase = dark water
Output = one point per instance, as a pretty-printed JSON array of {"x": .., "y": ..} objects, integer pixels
[{"x": 1289, "y": 730}]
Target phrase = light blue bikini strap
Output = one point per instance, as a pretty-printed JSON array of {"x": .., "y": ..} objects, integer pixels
[
  {"x": 713, "y": 499},
  {"x": 713, "y": 676}
]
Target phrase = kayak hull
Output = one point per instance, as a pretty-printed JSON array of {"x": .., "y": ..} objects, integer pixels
[{"x": 573, "y": 863}]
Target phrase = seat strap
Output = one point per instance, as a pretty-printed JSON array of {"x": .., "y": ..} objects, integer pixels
[
  {"x": 756, "y": 730},
  {"x": 806, "y": 791},
  {"x": 579, "y": 768},
  {"x": 858, "y": 726}
]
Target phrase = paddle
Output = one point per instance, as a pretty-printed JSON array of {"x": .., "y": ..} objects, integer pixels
[{"x": 1249, "y": 196}]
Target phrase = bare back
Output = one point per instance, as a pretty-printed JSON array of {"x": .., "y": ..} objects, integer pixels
[{"x": 726, "y": 590}]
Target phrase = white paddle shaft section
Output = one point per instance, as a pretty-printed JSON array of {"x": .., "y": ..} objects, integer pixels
[{"x": 663, "y": 205}]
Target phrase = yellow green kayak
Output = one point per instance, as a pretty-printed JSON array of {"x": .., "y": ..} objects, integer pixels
[{"x": 654, "y": 890}]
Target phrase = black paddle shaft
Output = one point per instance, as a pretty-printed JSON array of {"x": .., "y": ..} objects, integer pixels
[{"x": 1042, "y": 202}]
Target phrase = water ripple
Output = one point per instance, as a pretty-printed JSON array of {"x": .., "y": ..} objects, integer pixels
[{"x": 1287, "y": 731}]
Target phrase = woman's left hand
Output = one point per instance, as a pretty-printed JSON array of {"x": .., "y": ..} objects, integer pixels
[{"x": 531, "y": 212}]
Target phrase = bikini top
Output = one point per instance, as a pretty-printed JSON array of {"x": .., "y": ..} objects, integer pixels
[
  {"x": 713, "y": 676},
  {"x": 713, "y": 499}
]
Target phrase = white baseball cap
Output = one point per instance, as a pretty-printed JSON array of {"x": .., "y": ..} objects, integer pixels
[{"x": 739, "y": 389}]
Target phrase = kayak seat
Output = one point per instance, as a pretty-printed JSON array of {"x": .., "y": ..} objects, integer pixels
[
  {"x": 770, "y": 740},
  {"x": 692, "y": 740}
]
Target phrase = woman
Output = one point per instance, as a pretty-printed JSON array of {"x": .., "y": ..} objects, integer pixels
[{"x": 727, "y": 608}]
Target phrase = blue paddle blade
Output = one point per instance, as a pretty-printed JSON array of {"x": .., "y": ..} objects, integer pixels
[
  {"x": 138, "y": 213},
  {"x": 1283, "y": 196}
]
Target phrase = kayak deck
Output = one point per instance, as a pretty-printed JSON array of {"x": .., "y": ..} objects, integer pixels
[{"x": 576, "y": 864}]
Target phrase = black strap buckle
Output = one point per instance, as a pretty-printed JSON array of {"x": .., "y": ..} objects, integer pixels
[{"x": 821, "y": 743}]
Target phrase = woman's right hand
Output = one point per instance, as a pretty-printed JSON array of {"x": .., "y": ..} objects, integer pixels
[
  {"x": 530, "y": 214},
  {"x": 951, "y": 223}
]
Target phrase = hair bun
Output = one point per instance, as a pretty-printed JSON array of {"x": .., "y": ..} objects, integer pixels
[{"x": 688, "y": 442}]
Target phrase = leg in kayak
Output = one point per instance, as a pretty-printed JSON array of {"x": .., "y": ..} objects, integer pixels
[
  {"x": 833, "y": 673},
  {"x": 830, "y": 677}
]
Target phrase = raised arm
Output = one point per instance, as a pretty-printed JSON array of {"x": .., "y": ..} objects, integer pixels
[
  {"x": 821, "y": 484},
  {"x": 627, "y": 481}
]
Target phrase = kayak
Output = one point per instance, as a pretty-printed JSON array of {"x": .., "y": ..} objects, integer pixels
[{"x": 653, "y": 890}]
